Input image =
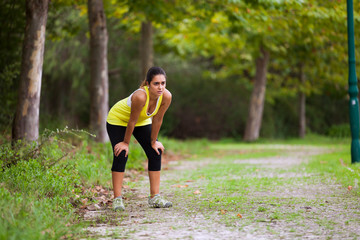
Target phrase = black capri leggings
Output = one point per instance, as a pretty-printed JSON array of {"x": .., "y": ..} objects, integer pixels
[{"x": 143, "y": 136}]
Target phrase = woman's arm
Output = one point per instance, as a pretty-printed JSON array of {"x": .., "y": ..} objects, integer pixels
[
  {"x": 157, "y": 121},
  {"x": 138, "y": 101}
]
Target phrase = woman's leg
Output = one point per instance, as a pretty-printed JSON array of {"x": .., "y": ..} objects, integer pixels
[
  {"x": 154, "y": 177},
  {"x": 143, "y": 136},
  {"x": 116, "y": 135},
  {"x": 117, "y": 180}
]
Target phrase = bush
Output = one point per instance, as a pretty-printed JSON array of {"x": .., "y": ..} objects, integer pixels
[
  {"x": 25, "y": 217},
  {"x": 57, "y": 183},
  {"x": 340, "y": 131},
  {"x": 94, "y": 161},
  {"x": 37, "y": 182}
]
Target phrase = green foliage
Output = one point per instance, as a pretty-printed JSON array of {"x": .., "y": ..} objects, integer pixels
[
  {"x": 12, "y": 15},
  {"x": 338, "y": 164},
  {"x": 56, "y": 183},
  {"x": 208, "y": 51},
  {"x": 94, "y": 161},
  {"x": 340, "y": 131},
  {"x": 49, "y": 150},
  {"x": 26, "y": 217},
  {"x": 65, "y": 93},
  {"x": 186, "y": 148},
  {"x": 39, "y": 181},
  {"x": 37, "y": 184},
  {"x": 259, "y": 190},
  {"x": 136, "y": 157}
]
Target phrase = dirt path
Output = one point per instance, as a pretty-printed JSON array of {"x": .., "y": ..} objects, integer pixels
[{"x": 333, "y": 214}]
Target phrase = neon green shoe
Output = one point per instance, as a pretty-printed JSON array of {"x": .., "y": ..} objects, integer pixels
[
  {"x": 159, "y": 202},
  {"x": 118, "y": 204}
]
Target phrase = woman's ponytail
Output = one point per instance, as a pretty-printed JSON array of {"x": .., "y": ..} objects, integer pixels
[{"x": 151, "y": 73}]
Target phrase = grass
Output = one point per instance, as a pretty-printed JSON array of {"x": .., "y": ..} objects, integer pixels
[
  {"x": 42, "y": 183},
  {"x": 230, "y": 187},
  {"x": 41, "y": 188}
]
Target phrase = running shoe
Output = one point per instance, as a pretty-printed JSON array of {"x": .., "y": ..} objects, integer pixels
[
  {"x": 159, "y": 202},
  {"x": 118, "y": 204}
]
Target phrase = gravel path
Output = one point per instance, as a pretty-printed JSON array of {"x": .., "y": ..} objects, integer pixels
[{"x": 329, "y": 210}]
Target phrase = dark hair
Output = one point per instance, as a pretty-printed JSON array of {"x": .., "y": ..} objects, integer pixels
[{"x": 151, "y": 73}]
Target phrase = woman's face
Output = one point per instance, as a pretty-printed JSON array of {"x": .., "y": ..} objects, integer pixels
[{"x": 157, "y": 85}]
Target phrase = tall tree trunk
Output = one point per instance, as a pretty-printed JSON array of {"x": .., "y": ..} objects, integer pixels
[
  {"x": 146, "y": 48},
  {"x": 302, "y": 103},
  {"x": 253, "y": 124},
  {"x": 26, "y": 121},
  {"x": 99, "y": 84}
]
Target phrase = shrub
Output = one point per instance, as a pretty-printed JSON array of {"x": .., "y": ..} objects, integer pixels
[
  {"x": 340, "y": 131},
  {"x": 25, "y": 217},
  {"x": 37, "y": 182}
]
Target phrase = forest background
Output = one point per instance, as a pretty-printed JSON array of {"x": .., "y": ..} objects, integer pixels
[{"x": 236, "y": 69}]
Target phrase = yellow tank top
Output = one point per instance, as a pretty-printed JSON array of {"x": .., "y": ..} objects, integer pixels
[{"x": 119, "y": 114}]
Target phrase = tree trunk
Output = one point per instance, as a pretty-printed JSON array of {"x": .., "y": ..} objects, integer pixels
[
  {"x": 26, "y": 121},
  {"x": 253, "y": 124},
  {"x": 302, "y": 104},
  {"x": 99, "y": 85},
  {"x": 146, "y": 48}
]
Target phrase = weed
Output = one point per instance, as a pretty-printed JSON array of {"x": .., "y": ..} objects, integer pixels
[{"x": 261, "y": 209}]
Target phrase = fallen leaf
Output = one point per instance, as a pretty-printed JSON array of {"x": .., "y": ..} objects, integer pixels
[
  {"x": 239, "y": 215},
  {"x": 102, "y": 198},
  {"x": 342, "y": 162},
  {"x": 105, "y": 192},
  {"x": 223, "y": 211},
  {"x": 180, "y": 186},
  {"x": 93, "y": 207},
  {"x": 84, "y": 201},
  {"x": 197, "y": 192},
  {"x": 350, "y": 188},
  {"x": 190, "y": 181},
  {"x": 125, "y": 186},
  {"x": 323, "y": 162}
]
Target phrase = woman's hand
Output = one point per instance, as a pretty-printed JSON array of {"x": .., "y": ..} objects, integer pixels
[
  {"x": 158, "y": 146},
  {"x": 121, "y": 146}
]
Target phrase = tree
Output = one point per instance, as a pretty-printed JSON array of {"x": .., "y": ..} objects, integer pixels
[
  {"x": 302, "y": 103},
  {"x": 146, "y": 48},
  {"x": 235, "y": 36},
  {"x": 319, "y": 27},
  {"x": 99, "y": 89},
  {"x": 26, "y": 122},
  {"x": 143, "y": 16},
  {"x": 256, "y": 106},
  {"x": 12, "y": 14}
]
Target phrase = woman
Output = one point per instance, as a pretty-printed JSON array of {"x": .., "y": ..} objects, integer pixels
[{"x": 141, "y": 115}]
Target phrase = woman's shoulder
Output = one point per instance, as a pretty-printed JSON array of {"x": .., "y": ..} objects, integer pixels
[
  {"x": 167, "y": 96},
  {"x": 139, "y": 95}
]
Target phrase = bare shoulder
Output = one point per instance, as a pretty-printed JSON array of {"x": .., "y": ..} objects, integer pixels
[
  {"x": 167, "y": 96},
  {"x": 139, "y": 97}
]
